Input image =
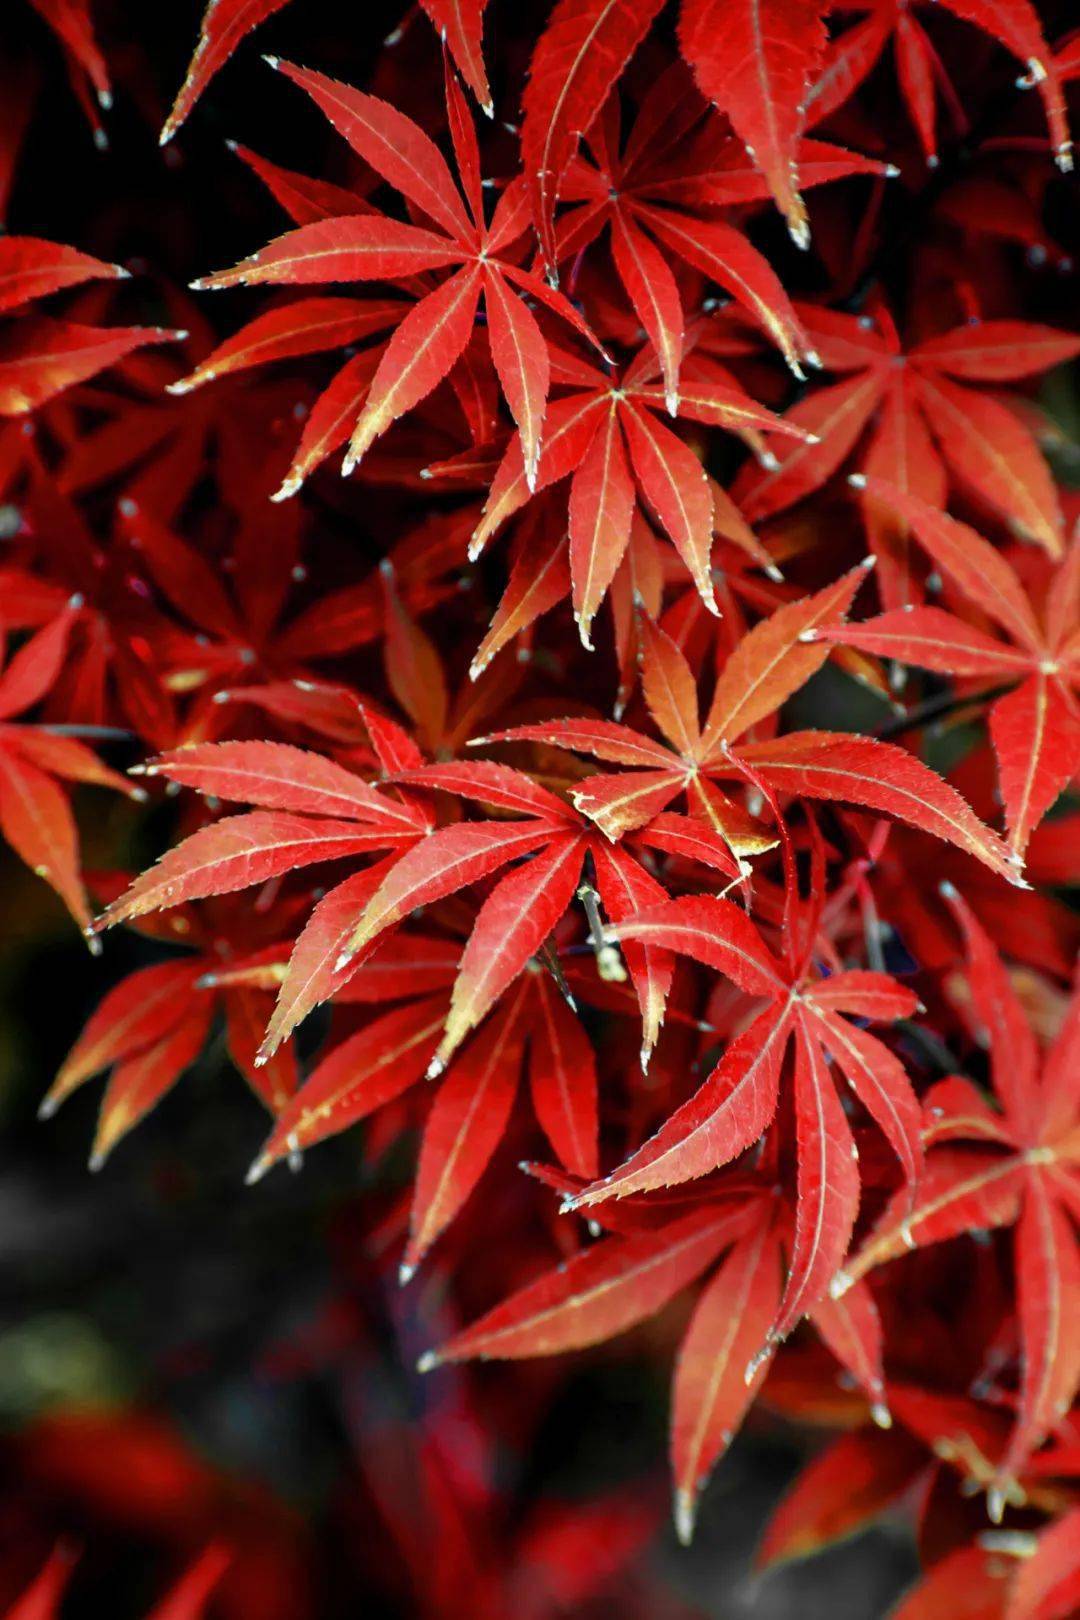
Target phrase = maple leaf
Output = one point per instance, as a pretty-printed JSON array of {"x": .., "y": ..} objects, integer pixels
[
  {"x": 767, "y": 666},
  {"x": 606, "y": 436},
  {"x": 853, "y": 55},
  {"x": 1035, "y": 727},
  {"x": 922, "y": 417},
  {"x": 475, "y": 1097},
  {"x": 1048, "y": 1581},
  {"x": 313, "y": 810},
  {"x": 242, "y": 646},
  {"x": 992, "y": 1166},
  {"x": 846, "y": 1487},
  {"x": 460, "y": 26},
  {"x": 654, "y": 1250},
  {"x": 32, "y": 268},
  {"x": 520, "y": 911},
  {"x": 40, "y": 357},
  {"x": 225, "y": 23},
  {"x": 756, "y": 59},
  {"x": 737, "y": 1102},
  {"x": 35, "y": 816},
  {"x": 435, "y": 332},
  {"x": 577, "y": 59},
  {"x": 660, "y": 195},
  {"x": 154, "y": 1024}
]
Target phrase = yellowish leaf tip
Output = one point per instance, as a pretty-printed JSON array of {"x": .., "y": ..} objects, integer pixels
[
  {"x": 258, "y": 1170},
  {"x": 684, "y": 1516}
]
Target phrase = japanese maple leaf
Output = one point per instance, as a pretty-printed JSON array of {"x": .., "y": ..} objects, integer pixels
[
  {"x": 766, "y": 667},
  {"x": 154, "y": 1024},
  {"x": 852, "y": 56},
  {"x": 658, "y": 193},
  {"x": 374, "y": 247},
  {"x": 1014, "y": 1163},
  {"x": 923, "y": 417},
  {"x": 35, "y": 816},
  {"x": 1035, "y": 726},
  {"x": 1043, "y": 932},
  {"x": 227, "y": 22},
  {"x": 941, "y": 1445},
  {"x": 32, "y": 268},
  {"x": 756, "y": 59},
  {"x": 605, "y": 434},
  {"x": 239, "y": 641},
  {"x": 314, "y": 810},
  {"x": 523, "y": 907},
  {"x": 655, "y": 1249},
  {"x": 311, "y": 810},
  {"x": 737, "y": 1103},
  {"x": 41, "y": 356},
  {"x": 534, "y": 1028},
  {"x": 107, "y": 676}
]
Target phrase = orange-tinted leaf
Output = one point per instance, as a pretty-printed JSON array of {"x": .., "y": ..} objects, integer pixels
[
  {"x": 602, "y": 500},
  {"x": 711, "y": 1392},
  {"x": 601, "y": 1291},
  {"x": 36, "y": 820},
  {"x": 139, "y": 1082},
  {"x": 135, "y": 1013},
  {"x": 365, "y": 1071},
  {"x": 237, "y": 852},
  {"x": 843, "y": 1488},
  {"x": 463, "y": 1129},
  {"x": 773, "y": 661}
]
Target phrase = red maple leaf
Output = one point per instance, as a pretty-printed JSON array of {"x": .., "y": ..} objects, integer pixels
[
  {"x": 995, "y": 1164},
  {"x": 1035, "y": 727}
]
